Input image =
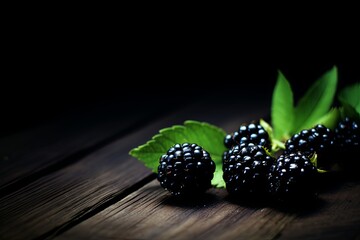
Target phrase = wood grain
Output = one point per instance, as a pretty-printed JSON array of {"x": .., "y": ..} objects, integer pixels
[
  {"x": 49, "y": 205},
  {"x": 68, "y": 193},
  {"x": 338, "y": 218},
  {"x": 151, "y": 213}
]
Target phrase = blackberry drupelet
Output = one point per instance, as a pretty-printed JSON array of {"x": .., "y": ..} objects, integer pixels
[
  {"x": 318, "y": 139},
  {"x": 186, "y": 169},
  {"x": 292, "y": 176},
  {"x": 347, "y": 135},
  {"x": 252, "y": 133},
  {"x": 245, "y": 169}
]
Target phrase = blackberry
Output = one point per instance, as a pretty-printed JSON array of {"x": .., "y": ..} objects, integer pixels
[
  {"x": 245, "y": 169},
  {"x": 318, "y": 139},
  {"x": 347, "y": 139},
  {"x": 186, "y": 169},
  {"x": 347, "y": 134},
  {"x": 252, "y": 133},
  {"x": 292, "y": 176}
]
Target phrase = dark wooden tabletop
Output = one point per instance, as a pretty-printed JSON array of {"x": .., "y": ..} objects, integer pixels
[{"x": 72, "y": 178}]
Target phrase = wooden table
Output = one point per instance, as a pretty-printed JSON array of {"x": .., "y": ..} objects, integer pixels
[{"x": 73, "y": 179}]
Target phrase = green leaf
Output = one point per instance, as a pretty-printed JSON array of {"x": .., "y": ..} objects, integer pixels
[
  {"x": 276, "y": 145},
  {"x": 316, "y": 102},
  {"x": 330, "y": 119},
  {"x": 208, "y": 136},
  {"x": 267, "y": 128},
  {"x": 218, "y": 180},
  {"x": 349, "y": 111},
  {"x": 282, "y": 108},
  {"x": 350, "y": 99}
]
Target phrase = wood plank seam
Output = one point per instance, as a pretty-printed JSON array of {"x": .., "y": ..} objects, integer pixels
[
  {"x": 169, "y": 218},
  {"x": 96, "y": 208}
]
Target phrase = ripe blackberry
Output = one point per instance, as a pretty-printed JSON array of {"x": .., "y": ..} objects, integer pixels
[
  {"x": 318, "y": 139},
  {"x": 292, "y": 176},
  {"x": 245, "y": 169},
  {"x": 347, "y": 139},
  {"x": 252, "y": 133},
  {"x": 186, "y": 169},
  {"x": 347, "y": 134}
]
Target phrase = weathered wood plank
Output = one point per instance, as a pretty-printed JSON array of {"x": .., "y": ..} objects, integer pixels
[
  {"x": 150, "y": 213},
  {"x": 337, "y": 218},
  {"x": 67, "y": 193},
  {"x": 50, "y": 204}
]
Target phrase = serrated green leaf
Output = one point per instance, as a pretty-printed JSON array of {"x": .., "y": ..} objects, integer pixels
[
  {"x": 204, "y": 134},
  {"x": 330, "y": 119},
  {"x": 350, "y": 98},
  {"x": 316, "y": 102},
  {"x": 282, "y": 108}
]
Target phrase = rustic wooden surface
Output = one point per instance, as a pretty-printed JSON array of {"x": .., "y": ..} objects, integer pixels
[
  {"x": 149, "y": 213},
  {"x": 77, "y": 181}
]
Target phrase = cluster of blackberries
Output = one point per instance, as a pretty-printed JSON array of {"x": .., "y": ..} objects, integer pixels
[{"x": 249, "y": 170}]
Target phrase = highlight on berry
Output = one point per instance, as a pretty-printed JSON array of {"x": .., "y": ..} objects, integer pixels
[
  {"x": 245, "y": 168},
  {"x": 248, "y": 133},
  {"x": 186, "y": 169}
]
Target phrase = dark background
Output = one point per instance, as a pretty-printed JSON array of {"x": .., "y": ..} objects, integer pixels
[{"x": 66, "y": 71}]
